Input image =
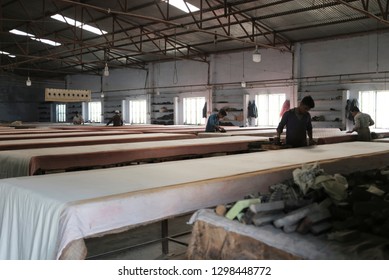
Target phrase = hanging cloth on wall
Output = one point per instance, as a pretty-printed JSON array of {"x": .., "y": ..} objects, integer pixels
[
  {"x": 252, "y": 110},
  {"x": 349, "y": 105},
  {"x": 285, "y": 107}
]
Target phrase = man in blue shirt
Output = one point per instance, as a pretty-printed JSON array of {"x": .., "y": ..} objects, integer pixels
[
  {"x": 298, "y": 124},
  {"x": 213, "y": 122}
]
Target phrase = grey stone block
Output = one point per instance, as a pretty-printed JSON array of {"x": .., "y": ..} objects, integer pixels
[
  {"x": 295, "y": 216},
  {"x": 312, "y": 218},
  {"x": 268, "y": 206},
  {"x": 320, "y": 227},
  {"x": 262, "y": 218},
  {"x": 290, "y": 228}
]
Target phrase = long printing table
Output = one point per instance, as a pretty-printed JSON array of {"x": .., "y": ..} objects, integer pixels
[
  {"x": 35, "y": 131},
  {"x": 381, "y": 140},
  {"x": 321, "y": 135},
  {"x": 16, "y": 163},
  {"x": 47, "y": 217},
  {"x": 64, "y": 134},
  {"x": 271, "y": 132},
  {"x": 89, "y": 140}
]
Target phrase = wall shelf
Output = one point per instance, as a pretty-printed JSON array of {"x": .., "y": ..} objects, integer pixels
[
  {"x": 162, "y": 110},
  {"x": 330, "y": 108}
]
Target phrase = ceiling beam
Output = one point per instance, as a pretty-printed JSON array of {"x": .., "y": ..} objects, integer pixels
[{"x": 366, "y": 12}]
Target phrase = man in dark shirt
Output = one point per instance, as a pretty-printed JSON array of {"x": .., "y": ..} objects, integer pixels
[
  {"x": 213, "y": 124},
  {"x": 116, "y": 119},
  {"x": 298, "y": 124}
]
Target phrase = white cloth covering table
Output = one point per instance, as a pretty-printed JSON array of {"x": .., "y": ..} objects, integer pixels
[{"x": 40, "y": 216}]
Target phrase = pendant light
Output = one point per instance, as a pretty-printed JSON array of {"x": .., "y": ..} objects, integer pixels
[
  {"x": 256, "y": 55},
  {"x": 28, "y": 82}
]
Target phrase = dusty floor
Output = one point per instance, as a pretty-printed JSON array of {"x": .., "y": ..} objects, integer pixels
[{"x": 142, "y": 235}]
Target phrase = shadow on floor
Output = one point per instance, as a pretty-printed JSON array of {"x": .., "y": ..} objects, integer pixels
[{"x": 137, "y": 241}]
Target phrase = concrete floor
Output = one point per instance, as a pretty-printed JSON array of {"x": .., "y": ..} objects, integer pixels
[{"x": 142, "y": 235}]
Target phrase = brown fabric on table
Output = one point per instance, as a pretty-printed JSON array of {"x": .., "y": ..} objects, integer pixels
[
  {"x": 337, "y": 139},
  {"x": 90, "y": 159},
  {"x": 35, "y": 131},
  {"x": 63, "y": 134},
  {"x": 88, "y": 140}
]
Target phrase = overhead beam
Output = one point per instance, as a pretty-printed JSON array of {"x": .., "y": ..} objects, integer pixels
[
  {"x": 365, "y": 10},
  {"x": 169, "y": 23}
]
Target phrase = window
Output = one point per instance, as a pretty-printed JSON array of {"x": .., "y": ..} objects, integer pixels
[
  {"x": 374, "y": 104},
  {"x": 138, "y": 111},
  {"x": 193, "y": 110},
  {"x": 94, "y": 111},
  {"x": 269, "y": 108},
  {"x": 60, "y": 112}
]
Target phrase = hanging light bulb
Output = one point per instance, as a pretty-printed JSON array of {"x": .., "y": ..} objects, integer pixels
[
  {"x": 28, "y": 82},
  {"x": 256, "y": 55},
  {"x": 106, "y": 71}
]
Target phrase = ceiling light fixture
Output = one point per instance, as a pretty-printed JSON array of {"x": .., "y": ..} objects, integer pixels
[
  {"x": 256, "y": 55},
  {"x": 106, "y": 70},
  {"x": 7, "y": 53},
  {"x": 78, "y": 24},
  {"x": 28, "y": 82},
  {"x": 33, "y": 37},
  {"x": 182, "y": 5}
]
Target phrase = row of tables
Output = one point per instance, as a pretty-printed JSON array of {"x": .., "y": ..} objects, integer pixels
[
  {"x": 71, "y": 149},
  {"x": 83, "y": 204}
]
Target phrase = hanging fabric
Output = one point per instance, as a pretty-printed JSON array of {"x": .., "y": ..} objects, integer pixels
[
  {"x": 252, "y": 110},
  {"x": 349, "y": 105},
  {"x": 285, "y": 107}
]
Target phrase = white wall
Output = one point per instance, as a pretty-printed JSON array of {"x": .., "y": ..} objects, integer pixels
[
  {"x": 188, "y": 75},
  {"x": 365, "y": 55},
  {"x": 184, "y": 73},
  {"x": 228, "y": 68},
  {"x": 87, "y": 82},
  {"x": 357, "y": 63}
]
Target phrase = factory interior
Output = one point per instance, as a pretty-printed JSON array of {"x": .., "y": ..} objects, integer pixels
[{"x": 166, "y": 130}]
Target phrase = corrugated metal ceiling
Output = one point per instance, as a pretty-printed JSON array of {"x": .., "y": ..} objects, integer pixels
[{"x": 143, "y": 31}]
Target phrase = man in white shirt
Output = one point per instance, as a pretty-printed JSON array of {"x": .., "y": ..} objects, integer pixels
[
  {"x": 78, "y": 119},
  {"x": 362, "y": 123}
]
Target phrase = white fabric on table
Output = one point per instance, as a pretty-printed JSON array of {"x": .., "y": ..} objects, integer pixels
[
  {"x": 28, "y": 222},
  {"x": 75, "y": 205}
]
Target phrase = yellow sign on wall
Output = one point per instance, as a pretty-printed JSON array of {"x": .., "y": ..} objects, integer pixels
[{"x": 67, "y": 95}]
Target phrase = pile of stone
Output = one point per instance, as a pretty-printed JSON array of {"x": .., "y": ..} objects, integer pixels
[{"x": 316, "y": 202}]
